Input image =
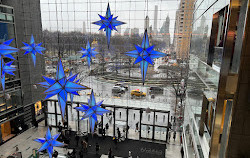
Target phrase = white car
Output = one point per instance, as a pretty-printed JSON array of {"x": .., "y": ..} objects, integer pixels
[{"x": 118, "y": 89}]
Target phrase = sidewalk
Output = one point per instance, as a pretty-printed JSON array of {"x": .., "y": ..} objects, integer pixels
[{"x": 174, "y": 147}]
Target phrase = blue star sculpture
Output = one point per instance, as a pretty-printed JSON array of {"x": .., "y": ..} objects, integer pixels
[
  {"x": 33, "y": 48},
  {"x": 6, "y": 68},
  {"x": 145, "y": 55},
  {"x": 88, "y": 53},
  {"x": 6, "y": 50},
  {"x": 49, "y": 142},
  {"x": 108, "y": 23},
  {"x": 73, "y": 78},
  {"x": 92, "y": 110},
  {"x": 61, "y": 86}
]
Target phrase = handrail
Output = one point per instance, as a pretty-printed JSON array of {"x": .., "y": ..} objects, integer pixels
[
  {"x": 184, "y": 143},
  {"x": 113, "y": 106}
]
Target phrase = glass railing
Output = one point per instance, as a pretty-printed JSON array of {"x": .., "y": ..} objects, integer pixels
[
  {"x": 207, "y": 135},
  {"x": 208, "y": 74}
]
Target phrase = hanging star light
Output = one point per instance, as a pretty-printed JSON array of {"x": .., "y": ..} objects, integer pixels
[
  {"x": 6, "y": 50},
  {"x": 6, "y": 68},
  {"x": 88, "y": 53},
  {"x": 61, "y": 86},
  {"x": 73, "y": 79},
  {"x": 33, "y": 48},
  {"x": 49, "y": 142},
  {"x": 92, "y": 110},
  {"x": 145, "y": 55},
  {"x": 108, "y": 23}
]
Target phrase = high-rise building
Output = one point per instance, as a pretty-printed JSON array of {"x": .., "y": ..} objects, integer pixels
[
  {"x": 155, "y": 19},
  {"x": 84, "y": 28},
  {"x": 119, "y": 29},
  {"x": 126, "y": 32},
  {"x": 134, "y": 32},
  {"x": 146, "y": 23},
  {"x": 164, "y": 31},
  {"x": 18, "y": 109},
  {"x": 183, "y": 28}
]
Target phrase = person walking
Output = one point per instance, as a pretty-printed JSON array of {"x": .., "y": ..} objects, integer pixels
[
  {"x": 85, "y": 146},
  {"x": 97, "y": 148},
  {"x": 182, "y": 152},
  {"x": 137, "y": 127},
  {"x": 110, "y": 153},
  {"x": 115, "y": 141},
  {"x": 119, "y": 135},
  {"x": 174, "y": 136},
  {"x": 107, "y": 126}
]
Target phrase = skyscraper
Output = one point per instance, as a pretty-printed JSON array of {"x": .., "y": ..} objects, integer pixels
[
  {"x": 155, "y": 18},
  {"x": 20, "y": 90},
  {"x": 126, "y": 32},
  {"x": 183, "y": 28},
  {"x": 84, "y": 28},
  {"x": 146, "y": 23},
  {"x": 134, "y": 32},
  {"x": 164, "y": 31}
]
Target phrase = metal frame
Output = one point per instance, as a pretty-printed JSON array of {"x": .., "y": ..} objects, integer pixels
[{"x": 114, "y": 116}]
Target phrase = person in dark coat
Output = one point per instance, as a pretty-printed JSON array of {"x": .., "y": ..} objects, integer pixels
[
  {"x": 182, "y": 152},
  {"x": 110, "y": 153},
  {"x": 174, "y": 136}
]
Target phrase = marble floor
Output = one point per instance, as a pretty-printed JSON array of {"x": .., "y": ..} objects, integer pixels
[{"x": 25, "y": 144}]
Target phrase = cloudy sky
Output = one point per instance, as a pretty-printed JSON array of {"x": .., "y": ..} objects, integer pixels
[{"x": 69, "y": 15}]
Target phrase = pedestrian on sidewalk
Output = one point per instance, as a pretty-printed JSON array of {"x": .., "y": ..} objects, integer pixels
[
  {"x": 174, "y": 136},
  {"x": 182, "y": 152},
  {"x": 107, "y": 126},
  {"x": 137, "y": 126}
]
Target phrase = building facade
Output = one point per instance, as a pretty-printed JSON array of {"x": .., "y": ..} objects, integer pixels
[
  {"x": 217, "y": 105},
  {"x": 18, "y": 111},
  {"x": 183, "y": 28}
]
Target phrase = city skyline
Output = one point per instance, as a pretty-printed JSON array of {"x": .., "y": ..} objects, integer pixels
[{"x": 70, "y": 16}]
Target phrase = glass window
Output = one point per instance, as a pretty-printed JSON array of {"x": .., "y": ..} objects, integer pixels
[{"x": 10, "y": 18}]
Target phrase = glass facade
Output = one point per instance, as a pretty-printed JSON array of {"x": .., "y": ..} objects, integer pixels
[
  {"x": 204, "y": 71},
  {"x": 7, "y": 31},
  {"x": 136, "y": 123},
  {"x": 10, "y": 100}
]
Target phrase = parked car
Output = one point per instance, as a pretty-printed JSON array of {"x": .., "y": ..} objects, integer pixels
[
  {"x": 122, "y": 85},
  {"x": 155, "y": 90},
  {"x": 118, "y": 89},
  {"x": 137, "y": 93}
]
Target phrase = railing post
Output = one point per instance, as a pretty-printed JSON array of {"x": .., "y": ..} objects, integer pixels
[
  {"x": 127, "y": 123},
  {"x": 140, "y": 123},
  {"x": 55, "y": 113},
  {"x": 114, "y": 123},
  {"x": 78, "y": 121},
  {"x": 153, "y": 130}
]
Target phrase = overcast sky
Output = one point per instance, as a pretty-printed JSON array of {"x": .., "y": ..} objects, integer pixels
[{"x": 69, "y": 15}]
